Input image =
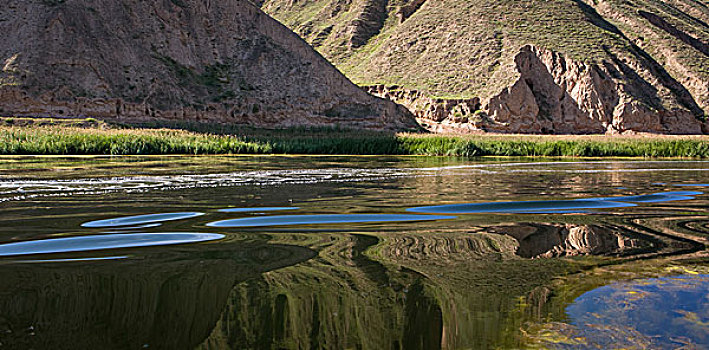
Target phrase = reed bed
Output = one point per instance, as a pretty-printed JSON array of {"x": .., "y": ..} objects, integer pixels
[
  {"x": 61, "y": 140},
  {"x": 559, "y": 146},
  {"x": 69, "y": 140}
]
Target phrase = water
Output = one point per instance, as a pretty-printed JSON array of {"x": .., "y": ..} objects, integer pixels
[
  {"x": 102, "y": 242},
  {"x": 671, "y": 312},
  {"x": 141, "y": 220},
  {"x": 656, "y": 313},
  {"x": 256, "y": 209},
  {"x": 323, "y": 219},
  {"x": 345, "y": 252}
]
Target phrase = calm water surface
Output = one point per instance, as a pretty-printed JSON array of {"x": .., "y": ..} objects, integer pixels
[{"x": 351, "y": 252}]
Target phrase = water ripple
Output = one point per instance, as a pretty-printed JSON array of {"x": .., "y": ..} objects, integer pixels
[
  {"x": 140, "y": 219},
  {"x": 320, "y": 219},
  {"x": 555, "y": 206},
  {"x": 255, "y": 209},
  {"x": 23, "y": 189},
  {"x": 101, "y": 242}
]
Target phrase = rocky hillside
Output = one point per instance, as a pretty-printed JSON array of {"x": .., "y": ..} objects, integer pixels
[
  {"x": 556, "y": 66},
  {"x": 132, "y": 60}
]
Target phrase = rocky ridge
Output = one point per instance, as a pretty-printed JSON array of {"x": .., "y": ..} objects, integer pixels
[
  {"x": 136, "y": 61},
  {"x": 553, "y": 95},
  {"x": 560, "y": 66}
]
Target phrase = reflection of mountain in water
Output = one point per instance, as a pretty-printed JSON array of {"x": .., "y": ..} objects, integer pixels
[
  {"x": 415, "y": 290},
  {"x": 340, "y": 299},
  {"x": 171, "y": 302},
  {"x": 418, "y": 290},
  {"x": 552, "y": 240},
  {"x": 406, "y": 292}
]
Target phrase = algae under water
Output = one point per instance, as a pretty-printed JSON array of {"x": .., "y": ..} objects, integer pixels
[{"x": 217, "y": 252}]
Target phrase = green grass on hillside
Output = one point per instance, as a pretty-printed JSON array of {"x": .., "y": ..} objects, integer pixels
[
  {"x": 63, "y": 140},
  {"x": 466, "y": 49}
]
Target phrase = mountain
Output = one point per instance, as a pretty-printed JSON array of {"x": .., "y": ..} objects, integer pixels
[
  {"x": 536, "y": 66},
  {"x": 131, "y": 60}
]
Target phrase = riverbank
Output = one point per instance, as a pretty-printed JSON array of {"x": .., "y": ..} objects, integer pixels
[{"x": 95, "y": 138}]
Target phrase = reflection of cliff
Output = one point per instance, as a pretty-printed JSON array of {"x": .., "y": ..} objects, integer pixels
[
  {"x": 477, "y": 281},
  {"x": 552, "y": 240},
  {"x": 339, "y": 300},
  {"x": 458, "y": 293},
  {"x": 168, "y": 303},
  {"x": 419, "y": 290}
]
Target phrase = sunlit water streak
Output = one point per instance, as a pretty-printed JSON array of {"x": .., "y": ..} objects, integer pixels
[
  {"x": 556, "y": 206},
  {"x": 104, "y": 241},
  {"x": 22, "y": 189},
  {"x": 140, "y": 219},
  {"x": 70, "y": 260},
  {"x": 551, "y": 206}
]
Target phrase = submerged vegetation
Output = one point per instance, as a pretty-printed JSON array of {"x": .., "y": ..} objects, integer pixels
[{"x": 101, "y": 138}]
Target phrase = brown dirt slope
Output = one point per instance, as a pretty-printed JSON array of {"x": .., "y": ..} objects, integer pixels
[
  {"x": 131, "y": 60},
  {"x": 557, "y": 66}
]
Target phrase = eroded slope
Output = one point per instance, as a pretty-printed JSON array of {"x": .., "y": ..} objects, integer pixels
[
  {"x": 562, "y": 66},
  {"x": 223, "y": 61}
]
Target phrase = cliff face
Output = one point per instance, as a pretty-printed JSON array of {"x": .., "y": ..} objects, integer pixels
[
  {"x": 130, "y": 60},
  {"x": 560, "y": 66},
  {"x": 553, "y": 94}
]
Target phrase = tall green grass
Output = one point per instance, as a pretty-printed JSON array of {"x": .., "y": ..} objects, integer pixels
[
  {"x": 56, "y": 141},
  {"x": 67, "y": 140},
  {"x": 538, "y": 146}
]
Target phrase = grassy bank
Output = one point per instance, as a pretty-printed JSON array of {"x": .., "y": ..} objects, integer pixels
[{"x": 58, "y": 140}]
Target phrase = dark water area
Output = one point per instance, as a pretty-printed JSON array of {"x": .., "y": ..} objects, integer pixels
[{"x": 351, "y": 252}]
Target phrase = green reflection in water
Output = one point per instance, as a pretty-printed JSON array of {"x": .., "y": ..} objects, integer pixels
[{"x": 165, "y": 301}]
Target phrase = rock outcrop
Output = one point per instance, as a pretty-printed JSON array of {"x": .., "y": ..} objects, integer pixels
[
  {"x": 554, "y": 240},
  {"x": 428, "y": 108},
  {"x": 216, "y": 61},
  {"x": 553, "y": 94},
  {"x": 531, "y": 66}
]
